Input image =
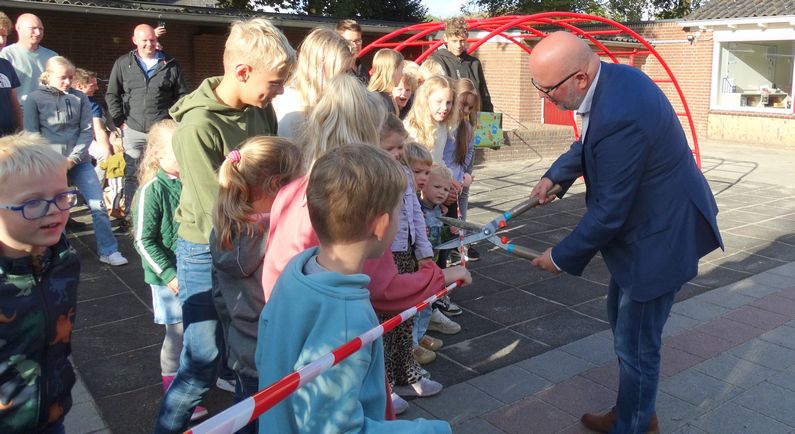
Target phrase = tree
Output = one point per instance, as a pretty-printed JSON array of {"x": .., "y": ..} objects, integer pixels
[
  {"x": 619, "y": 10},
  {"x": 391, "y": 10}
]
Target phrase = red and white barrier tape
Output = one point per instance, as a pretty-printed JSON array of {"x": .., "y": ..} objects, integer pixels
[{"x": 242, "y": 413}]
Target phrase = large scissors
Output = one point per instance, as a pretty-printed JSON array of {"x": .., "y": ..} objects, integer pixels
[{"x": 489, "y": 230}]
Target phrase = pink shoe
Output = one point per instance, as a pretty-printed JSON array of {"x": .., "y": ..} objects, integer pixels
[{"x": 198, "y": 412}]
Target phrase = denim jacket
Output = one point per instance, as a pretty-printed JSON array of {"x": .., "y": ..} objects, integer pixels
[{"x": 412, "y": 224}]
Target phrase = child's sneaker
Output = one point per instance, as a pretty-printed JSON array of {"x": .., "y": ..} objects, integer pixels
[
  {"x": 226, "y": 385},
  {"x": 422, "y": 355},
  {"x": 447, "y": 306},
  {"x": 399, "y": 404},
  {"x": 424, "y": 372},
  {"x": 431, "y": 343},
  {"x": 471, "y": 254},
  {"x": 442, "y": 324},
  {"x": 423, "y": 388},
  {"x": 115, "y": 259}
]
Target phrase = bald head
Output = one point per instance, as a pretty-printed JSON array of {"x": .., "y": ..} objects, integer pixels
[
  {"x": 145, "y": 41},
  {"x": 558, "y": 56},
  {"x": 30, "y": 31}
]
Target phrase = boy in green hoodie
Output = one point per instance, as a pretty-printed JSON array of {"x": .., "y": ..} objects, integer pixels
[{"x": 213, "y": 120}]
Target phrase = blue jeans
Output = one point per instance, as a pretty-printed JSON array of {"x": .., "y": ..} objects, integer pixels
[
  {"x": 637, "y": 334},
  {"x": 247, "y": 386},
  {"x": 198, "y": 365},
  {"x": 84, "y": 177},
  {"x": 421, "y": 321}
]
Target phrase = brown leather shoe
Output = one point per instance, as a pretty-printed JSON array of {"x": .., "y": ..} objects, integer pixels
[{"x": 603, "y": 422}]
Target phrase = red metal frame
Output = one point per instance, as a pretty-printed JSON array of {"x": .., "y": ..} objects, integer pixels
[{"x": 421, "y": 35}]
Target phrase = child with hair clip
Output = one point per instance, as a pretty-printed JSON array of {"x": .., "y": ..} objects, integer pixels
[
  {"x": 249, "y": 179},
  {"x": 387, "y": 72},
  {"x": 429, "y": 119},
  {"x": 63, "y": 116},
  {"x": 322, "y": 55},
  {"x": 346, "y": 113},
  {"x": 460, "y": 152},
  {"x": 155, "y": 238},
  {"x": 409, "y": 246}
]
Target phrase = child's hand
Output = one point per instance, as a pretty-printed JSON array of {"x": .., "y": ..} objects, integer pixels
[
  {"x": 467, "y": 180},
  {"x": 454, "y": 274},
  {"x": 173, "y": 286},
  {"x": 452, "y": 198},
  {"x": 456, "y": 187},
  {"x": 453, "y": 230},
  {"x": 443, "y": 209}
]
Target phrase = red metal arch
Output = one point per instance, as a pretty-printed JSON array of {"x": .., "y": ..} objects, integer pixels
[{"x": 538, "y": 26}]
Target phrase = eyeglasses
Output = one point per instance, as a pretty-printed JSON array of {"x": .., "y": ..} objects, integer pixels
[
  {"x": 38, "y": 208},
  {"x": 355, "y": 41},
  {"x": 552, "y": 89}
]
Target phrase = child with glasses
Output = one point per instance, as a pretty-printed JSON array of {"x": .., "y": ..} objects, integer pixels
[{"x": 39, "y": 273}]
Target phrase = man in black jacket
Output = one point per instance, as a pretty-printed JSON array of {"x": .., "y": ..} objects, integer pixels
[
  {"x": 458, "y": 63},
  {"x": 144, "y": 84}
]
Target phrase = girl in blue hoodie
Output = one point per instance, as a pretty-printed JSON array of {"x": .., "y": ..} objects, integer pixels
[{"x": 249, "y": 179}]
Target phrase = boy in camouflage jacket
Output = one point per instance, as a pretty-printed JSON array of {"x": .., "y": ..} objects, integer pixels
[{"x": 39, "y": 273}]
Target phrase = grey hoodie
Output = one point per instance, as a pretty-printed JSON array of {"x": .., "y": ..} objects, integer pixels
[
  {"x": 62, "y": 118},
  {"x": 238, "y": 296}
]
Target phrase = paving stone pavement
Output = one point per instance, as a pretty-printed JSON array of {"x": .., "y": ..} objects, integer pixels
[{"x": 535, "y": 350}]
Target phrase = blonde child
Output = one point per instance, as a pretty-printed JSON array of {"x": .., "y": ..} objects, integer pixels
[
  {"x": 214, "y": 119},
  {"x": 387, "y": 72},
  {"x": 155, "y": 238},
  {"x": 63, "y": 116},
  {"x": 321, "y": 301},
  {"x": 113, "y": 171},
  {"x": 249, "y": 179},
  {"x": 460, "y": 152},
  {"x": 410, "y": 246},
  {"x": 322, "y": 55},
  {"x": 430, "y": 116},
  {"x": 403, "y": 93},
  {"x": 429, "y": 67},
  {"x": 39, "y": 274},
  {"x": 346, "y": 113}
]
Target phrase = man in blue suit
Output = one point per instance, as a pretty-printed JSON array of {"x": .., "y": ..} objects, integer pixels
[{"x": 650, "y": 211}]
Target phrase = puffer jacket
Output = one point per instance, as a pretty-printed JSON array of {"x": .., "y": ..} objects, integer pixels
[
  {"x": 37, "y": 313},
  {"x": 138, "y": 101}
]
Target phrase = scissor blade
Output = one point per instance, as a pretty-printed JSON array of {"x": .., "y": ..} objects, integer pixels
[{"x": 456, "y": 242}]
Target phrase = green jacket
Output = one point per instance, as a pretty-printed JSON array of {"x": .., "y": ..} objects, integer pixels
[
  {"x": 154, "y": 227},
  {"x": 207, "y": 131}
]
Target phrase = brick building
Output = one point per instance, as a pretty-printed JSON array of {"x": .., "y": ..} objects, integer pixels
[{"x": 733, "y": 60}]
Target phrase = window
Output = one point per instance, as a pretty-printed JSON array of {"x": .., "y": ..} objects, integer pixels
[{"x": 755, "y": 75}]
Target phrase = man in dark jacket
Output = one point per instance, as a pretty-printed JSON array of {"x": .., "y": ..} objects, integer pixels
[
  {"x": 144, "y": 84},
  {"x": 458, "y": 63},
  {"x": 351, "y": 31}
]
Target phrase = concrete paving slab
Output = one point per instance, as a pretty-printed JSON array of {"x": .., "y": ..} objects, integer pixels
[
  {"x": 759, "y": 318},
  {"x": 774, "y": 279},
  {"x": 776, "y": 303},
  {"x": 731, "y": 418},
  {"x": 605, "y": 375},
  {"x": 765, "y": 353},
  {"x": 726, "y": 298},
  {"x": 578, "y": 395},
  {"x": 675, "y": 360},
  {"x": 699, "y": 389},
  {"x": 770, "y": 400},
  {"x": 510, "y": 384},
  {"x": 749, "y": 262},
  {"x": 594, "y": 349},
  {"x": 108, "y": 309},
  {"x": 677, "y": 323},
  {"x": 476, "y": 426},
  {"x": 482, "y": 286},
  {"x": 494, "y": 351},
  {"x": 559, "y": 328},
  {"x": 699, "y": 310},
  {"x": 784, "y": 379},
  {"x": 673, "y": 412},
  {"x": 532, "y": 412},
  {"x": 690, "y": 429},
  {"x": 458, "y": 403},
  {"x": 566, "y": 289},
  {"x": 449, "y": 372},
  {"x": 734, "y": 370},
  {"x": 786, "y": 270},
  {"x": 511, "y": 307},
  {"x": 472, "y": 326},
  {"x": 784, "y": 336},
  {"x": 555, "y": 365},
  {"x": 594, "y": 308},
  {"x": 699, "y": 344},
  {"x": 751, "y": 287}
]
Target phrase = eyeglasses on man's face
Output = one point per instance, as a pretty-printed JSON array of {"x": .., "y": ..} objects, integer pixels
[
  {"x": 549, "y": 90},
  {"x": 37, "y": 208}
]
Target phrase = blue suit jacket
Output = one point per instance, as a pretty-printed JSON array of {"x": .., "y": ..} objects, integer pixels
[{"x": 650, "y": 211}]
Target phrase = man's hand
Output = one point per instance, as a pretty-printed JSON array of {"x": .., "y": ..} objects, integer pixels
[
  {"x": 541, "y": 189},
  {"x": 545, "y": 263}
]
